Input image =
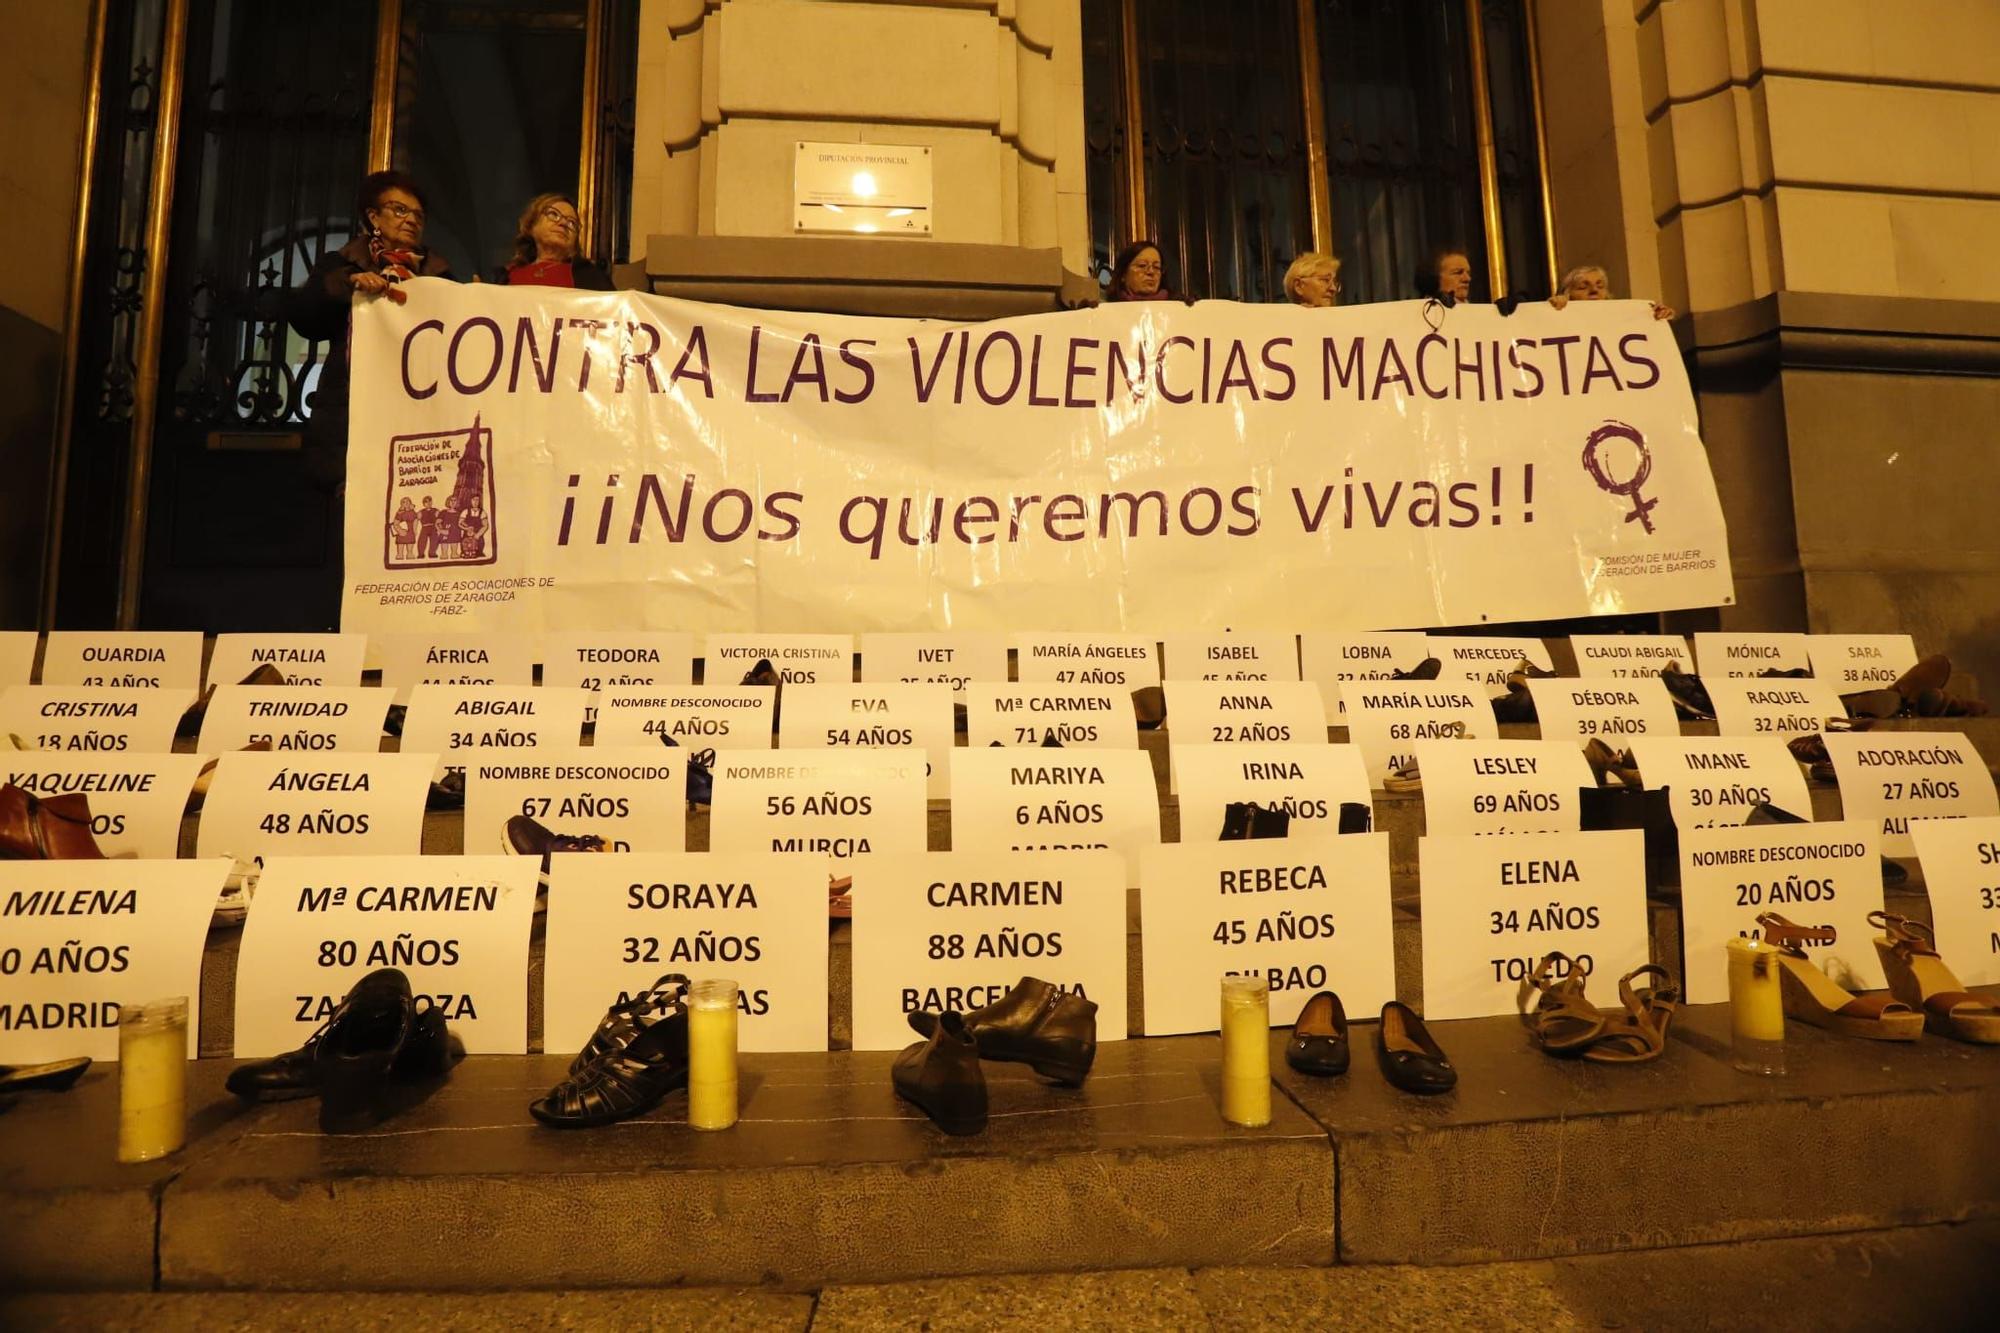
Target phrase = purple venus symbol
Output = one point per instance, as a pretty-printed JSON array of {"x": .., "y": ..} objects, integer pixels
[{"x": 1594, "y": 465}]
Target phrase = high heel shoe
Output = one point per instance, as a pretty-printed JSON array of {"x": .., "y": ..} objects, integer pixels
[
  {"x": 1919, "y": 978},
  {"x": 628, "y": 1078},
  {"x": 1811, "y": 996},
  {"x": 1563, "y": 1021},
  {"x": 621, "y": 1022}
]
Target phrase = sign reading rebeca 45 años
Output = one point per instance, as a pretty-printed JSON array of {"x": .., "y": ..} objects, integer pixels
[{"x": 533, "y": 459}]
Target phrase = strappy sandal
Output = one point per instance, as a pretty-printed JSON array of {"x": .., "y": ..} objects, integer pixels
[
  {"x": 1919, "y": 978},
  {"x": 622, "y": 1022},
  {"x": 629, "y": 1079},
  {"x": 1811, "y": 996},
  {"x": 1640, "y": 1033},
  {"x": 1563, "y": 1021}
]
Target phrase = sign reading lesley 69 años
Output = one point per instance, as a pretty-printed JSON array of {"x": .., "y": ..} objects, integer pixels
[{"x": 540, "y": 459}]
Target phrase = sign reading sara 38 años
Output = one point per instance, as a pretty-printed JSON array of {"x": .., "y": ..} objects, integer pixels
[{"x": 542, "y": 459}]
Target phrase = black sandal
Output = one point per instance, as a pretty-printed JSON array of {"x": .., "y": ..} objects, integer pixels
[
  {"x": 622, "y": 1022},
  {"x": 628, "y": 1080}
]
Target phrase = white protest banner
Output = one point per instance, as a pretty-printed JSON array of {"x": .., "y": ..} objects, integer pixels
[
  {"x": 295, "y": 718},
  {"x": 262, "y": 803},
  {"x": 829, "y": 803},
  {"x": 956, "y": 930},
  {"x": 1610, "y": 710},
  {"x": 1501, "y": 786},
  {"x": 1629, "y": 656},
  {"x": 1811, "y": 874},
  {"x": 635, "y": 799},
  {"x": 136, "y": 800},
  {"x": 1307, "y": 913},
  {"x": 1088, "y": 717},
  {"x": 1892, "y": 778},
  {"x": 93, "y": 719},
  {"x": 410, "y": 660},
  {"x": 303, "y": 659},
  {"x": 457, "y": 925},
  {"x": 1008, "y": 800},
  {"x": 1125, "y": 662},
  {"x": 1782, "y": 708},
  {"x": 1718, "y": 780},
  {"x": 730, "y": 717},
  {"x": 801, "y": 659},
  {"x": 1854, "y": 662},
  {"x": 1494, "y": 907},
  {"x": 1490, "y": 660},
  {"x": 451, "y": 719},
  {"x": 618, "y": 923},
  {"x": 605, "y": 660},
  {"x": 17, "y": 657},
  {"x": 123, "y": 659},
  {"x": 80, "y": 939},
  {"x": 650, "y": 461},
  {"x": 1722, "y": 653},
  {"x": 952, "y": 658},
  {"x": 1308, "y": 782},
  {"x": 1258, "y": 655},
  {"x": 1961, "y": 859},
  {"x": 873, "y": 716},
  {"x": 1386, "y": 718},
  {"x": 1330, "y": 659}
]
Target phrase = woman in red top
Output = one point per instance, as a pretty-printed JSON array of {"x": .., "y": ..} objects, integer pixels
[{"x": 545, "y": 249}]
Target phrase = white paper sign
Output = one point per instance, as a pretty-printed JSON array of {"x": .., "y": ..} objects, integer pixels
[
  {"x": 1308, "y": 782},
  {"x": 93, "y": 720},
  {"x": 1729, "y": 653},
  {"x": 123, "y": 659},
  {"x": 457, "y": 925},
  {"x": 635, "y": 799},
  {"x": 618, "y": 923},
  {"x": 1716, "y": 780},
  {"x": 603, "y": 660},
  {"x": 1629, "y": 656},
  {"x": 80, "y": 939},
  {"x": 1491, "y": 660},
  {"x": 1610, "y": 710},
  {"x": 696, "y": 717},
  {"x": 1894, "y": 777},
  {"x": 305, "y": 659},
  {"x": 295, "y": 718},
  {"x": 952, "y": 658},
  {"x": 1330, "y": 659},
  {"x": 448, "y": 719},
  {"x": 1307, "y": 913},
  {"x": 1854, "y": 662},
  {"x": 1386, "y": 718},
  {"x": 136, "y": 800},
  {"x": 17, "y": 657},
  {"x": 1493, "y": 907},
  {"x": 957, "y": 930},
  {"x": 829, "y": 803},
  {"x": 409, "y": 660},
  {"x": 873, "y": 716},
  {"x": 1050, "y": 800},
  {"x": 1266, "y": 655},
  {"x": 1123, "y": 662},
  {"x": 1501, "y": 786},
  {"x": 262, "y": 803},
  {"x": 1783, "y": 708},
  {"x": 1090, "y": 717},
  {"x": 802, "y": 659},
  {"x": 1213, "y": 712},
  {"x": 1961, "y": 860},
  {"x": 1811, "y": 874}
]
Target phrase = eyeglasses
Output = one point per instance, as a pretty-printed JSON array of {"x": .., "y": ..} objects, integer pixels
[
  {"x": 401, "y": 211},
  {"x": 560, "y": 218},
  {"x": 1143, "y": 268}
]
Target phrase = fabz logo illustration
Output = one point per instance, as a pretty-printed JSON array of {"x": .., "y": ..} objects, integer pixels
[{"x": 440, "y": 511}]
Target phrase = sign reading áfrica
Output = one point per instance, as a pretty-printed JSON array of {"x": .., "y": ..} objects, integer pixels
[{"x": 536, "y": 459}]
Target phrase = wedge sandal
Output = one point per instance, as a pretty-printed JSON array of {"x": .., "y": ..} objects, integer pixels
[
  {"x": 1811, "y": 996},
  {"x": 1920, "y": 979}
]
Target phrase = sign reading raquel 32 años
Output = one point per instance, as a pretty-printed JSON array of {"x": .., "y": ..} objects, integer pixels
[{"x": 541, "y": 458}]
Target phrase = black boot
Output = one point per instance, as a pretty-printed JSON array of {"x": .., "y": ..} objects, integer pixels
[
  {"x": 942, "y": 1077},
  {"x": 1052, "y": 1031}
]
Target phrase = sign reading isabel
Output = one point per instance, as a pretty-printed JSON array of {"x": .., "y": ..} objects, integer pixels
[
  {"x": 457, "y": 925},
  {"x": 622, "y": 458}
]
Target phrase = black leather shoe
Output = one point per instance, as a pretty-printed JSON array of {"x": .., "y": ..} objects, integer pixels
[
  {"x": 1410, "y": 1059},
  {"x": 1690, "y": 696},
  {"x": 1427, "y": 669},
  {"x": 1356, "y": 817},
  {"x": 428, "y": 1050},
  {"x": 942, "y": 1077},
  {"x": 353, "y": 1054},
  {"x": 1319, "y": 1039},
  {"x": 1247, "y": 819},
  {"x": 1052, "y": 1031}
]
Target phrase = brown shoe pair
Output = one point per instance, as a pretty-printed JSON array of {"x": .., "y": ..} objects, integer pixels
[{"x": 55, "y": 828}]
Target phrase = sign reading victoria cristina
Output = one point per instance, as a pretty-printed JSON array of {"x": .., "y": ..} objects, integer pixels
[{"x": 537, "y": 458}]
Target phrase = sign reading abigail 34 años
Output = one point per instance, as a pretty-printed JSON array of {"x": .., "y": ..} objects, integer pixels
[{"x": 620, "y": 458}]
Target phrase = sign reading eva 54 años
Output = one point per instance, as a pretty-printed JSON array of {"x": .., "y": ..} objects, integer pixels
[{"x": 457, "y": 925}]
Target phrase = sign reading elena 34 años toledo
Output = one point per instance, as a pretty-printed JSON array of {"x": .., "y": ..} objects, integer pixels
[{"x": 536, "y": 459}]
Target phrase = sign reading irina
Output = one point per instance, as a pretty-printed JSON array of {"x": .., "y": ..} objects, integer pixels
[{"x": 536, "y": 458}]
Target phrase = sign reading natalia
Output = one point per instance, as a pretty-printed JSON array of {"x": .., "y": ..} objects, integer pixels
[
  {"x": 535, "y": 458},
  {"x": 303, "y": 659}
]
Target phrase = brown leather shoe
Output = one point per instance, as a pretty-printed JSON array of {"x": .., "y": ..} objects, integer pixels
[{"x": 55, "y": 829}]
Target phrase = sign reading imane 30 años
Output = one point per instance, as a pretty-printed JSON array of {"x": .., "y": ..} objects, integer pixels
[{"x": 538, "y": 458}]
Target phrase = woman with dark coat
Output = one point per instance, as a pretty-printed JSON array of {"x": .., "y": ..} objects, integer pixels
[{"x": 545, "y": 249}]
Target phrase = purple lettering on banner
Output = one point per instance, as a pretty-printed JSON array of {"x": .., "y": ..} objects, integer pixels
[
  {"x": 1075, "y": 372},
  {"x": 591, "y": 326},
  {"x": 1635, "y": 359},
  {"x": 696, "y": 352},
  {"x": 1281, "y": 367},
  {"x": 524, "y": 338},
  {"x": 1036, "y": 399},
  {"x": 1525, "y": 367},
  {"x": 408, "y": 338},
  {"x": 965, "y": 517},
  {"x": 1160, "y": 370},
  {"x": 1561, "y": 344},
  {"x": 1332, "y": 366},
  {"x": 1013, "y": 344},
  {"x": 1423, "y": 376},
  {"x": 809, "y": 349},
  {"x": 750, "y": 394},
  {"x": 860, "y": 363},
  {"x": 873, "y": 538},
  {"x": 644, "y": 360},
  {"x": 451, "y": 362}
]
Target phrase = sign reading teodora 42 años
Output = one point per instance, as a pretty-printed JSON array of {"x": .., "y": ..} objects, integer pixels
[{"x": 538, "y": 458}]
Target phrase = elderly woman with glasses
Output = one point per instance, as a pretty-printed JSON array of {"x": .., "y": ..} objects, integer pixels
[
  {"x": 1313, "y": 280},
  {"x": 1588, "y": 282},
  {"x": 547, "y": 249}
]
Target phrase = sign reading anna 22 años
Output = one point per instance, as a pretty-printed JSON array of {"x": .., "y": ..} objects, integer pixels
[{"x": 529, "y": 458}]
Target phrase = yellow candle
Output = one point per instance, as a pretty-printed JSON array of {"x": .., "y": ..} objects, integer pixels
[
  {"x": 1756, "y": 1008},
  {"x": 1246, "y": 1051},
  {"x": 152, "y": 1079},
  {"x": 712, "y": 1054}
]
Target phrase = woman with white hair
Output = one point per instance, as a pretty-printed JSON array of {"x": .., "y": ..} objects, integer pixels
[
  {"x": 1313, "y": 279},
  {"x": 1589, "y": 282}
]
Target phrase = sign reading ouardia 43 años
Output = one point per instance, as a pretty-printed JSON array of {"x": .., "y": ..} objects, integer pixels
[{"x": 534, "y": 458}]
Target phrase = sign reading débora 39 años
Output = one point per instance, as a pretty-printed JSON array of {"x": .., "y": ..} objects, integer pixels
[{"x": 530, "y": 458}]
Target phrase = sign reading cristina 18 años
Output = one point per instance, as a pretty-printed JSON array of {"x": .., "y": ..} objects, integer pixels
[{"x": 535, "y": 458}]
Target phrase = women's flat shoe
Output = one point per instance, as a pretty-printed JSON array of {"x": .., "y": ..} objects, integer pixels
[
  {"x": 941, "y": 1076},
  {"x": 637, "y": 1057},
  {"x": 1410, "y": 1058},
  {"x": 1319, "y": 1038},
  {"x": 1920, "y": 979},
  {"x": 1811, "y": 996},
  {"x": 1037, "y": 1024},
  {"x": 55, "y": 1076}
]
